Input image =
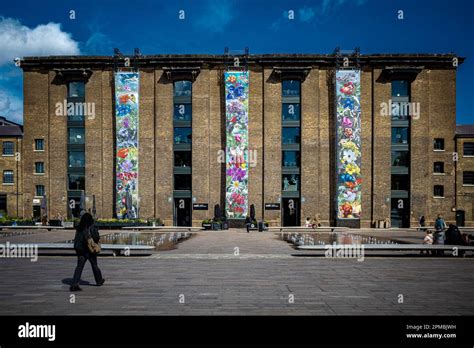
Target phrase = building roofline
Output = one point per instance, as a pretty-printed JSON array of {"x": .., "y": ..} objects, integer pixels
[{"x": 425, "y": 59}]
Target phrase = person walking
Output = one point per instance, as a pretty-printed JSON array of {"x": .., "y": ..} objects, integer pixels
[
  {"x": 248, "y": 221},
  {"x": 422, "y": 223},
  {"x": 84, "y": 231}
]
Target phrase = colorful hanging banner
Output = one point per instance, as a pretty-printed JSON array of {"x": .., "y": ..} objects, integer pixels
[
  {"x": 348, "y": 144},
  {"x": 237, "y": 106},
  {"x": 126, "y": 133}
]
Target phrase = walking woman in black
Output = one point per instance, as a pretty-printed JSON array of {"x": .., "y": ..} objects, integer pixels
[{"x": 84, "y": 231}]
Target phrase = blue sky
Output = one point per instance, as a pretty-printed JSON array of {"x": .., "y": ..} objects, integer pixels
[{"x": 32, "y": 27}]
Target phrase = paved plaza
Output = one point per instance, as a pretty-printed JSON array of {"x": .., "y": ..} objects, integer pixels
[{"x": 235, "y": 273}]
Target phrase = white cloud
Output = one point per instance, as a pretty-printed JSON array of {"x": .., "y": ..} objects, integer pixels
[
  {"x": 18, "y": 40},
  {"x": 11, "y": 106}
]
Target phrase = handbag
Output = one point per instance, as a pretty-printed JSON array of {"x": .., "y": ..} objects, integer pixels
[{"x": 93, "y": 247}]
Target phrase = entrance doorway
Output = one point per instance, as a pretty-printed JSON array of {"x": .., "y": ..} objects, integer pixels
[
  {"x": 182, "y": 212},
  {"x": 399, "y": 213},
  {"x": 36, "y": 212},
  {"x": 460, "y": 217},
  {"x": 3, "y": 205},
  {"x": 291, "y": 212}
]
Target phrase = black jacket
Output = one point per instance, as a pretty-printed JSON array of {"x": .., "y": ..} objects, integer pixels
[{"x": 81, "y": 237}]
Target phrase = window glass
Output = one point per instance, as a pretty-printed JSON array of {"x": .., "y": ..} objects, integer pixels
[
  {"x": 291, "y": 112},
  {"x": 76, "y": 159},
  {"x": 438, "y": 191},
  {"x": 291, "y": 159},
  {"x": 439, "y": 144},
  {"x": 39, "y": 144},
  {"x": 40, "y": 190},
  {"x": 291, "y": 135},
  {"x": 76, "y": 182},
  {"x": 438, "y": 167},
  {"x": 400, "y": 88},
  {"x": 468, "y": 149},
  {"x": 76, "y": 89},
  {"x": 400, "y": 159},
  {"x": 182, "y": 182},
  {"x": 290, "y": 182},
  {"x": 400, "y": 110},
  {"x": 399, "y": 135},
  {"x": 182, "y": 135},
  {"x": 182, "y": 112},
  {"x": 8, "y": 177},
  {"x": 182, "y": 158},
  {"x": 290, "y": 88},
  {"x": 400, "y": 182},
  {"x": 39, "y": 167},
  {"x": 468, "y": 178},
  {"x": 183, "y": 88},
  {"x": 8, "y": 148},
  {"x": 76, "y": 135}
]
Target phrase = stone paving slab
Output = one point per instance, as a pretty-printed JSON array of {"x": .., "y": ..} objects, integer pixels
[{"x": 258, "y": 281}]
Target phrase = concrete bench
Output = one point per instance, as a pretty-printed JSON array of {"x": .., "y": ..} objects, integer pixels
[
  {"x": 49, "y": 228},
  {"x": 293, "y": 229},
  {"x": 164, "y": 228},
  {"x": 390, "y": 247},
  {"x": 116, "y": 249}
]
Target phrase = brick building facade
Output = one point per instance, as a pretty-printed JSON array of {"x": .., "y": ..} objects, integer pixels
[
  {"x": 295, "y": 157},
  {"x": 465, "y": 175},
  {"x": 11, "y": 203}
]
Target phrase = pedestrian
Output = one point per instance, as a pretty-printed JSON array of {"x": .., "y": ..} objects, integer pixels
[
  {"x": 428, "y": 240},
  {"x": 85, "y": 231},
  {"x": 439, "y": 223},
  {"x": 308, "y": 222},
  {"x": 439, "y": 235},
  {"x": 248, "y": 221},
  {"x": 422, "y": 223}
]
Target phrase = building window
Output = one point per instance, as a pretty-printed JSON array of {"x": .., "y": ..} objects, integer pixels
[
  {"x": 39, "y": 144},
  {"x": 438, "y": 144},
  {"x": 182, "y": 182},
  {"x": 76, "y": 182},
  {"x": 8, "y": 148},
  {"x": 291, "y": 135},
  {"x": 8, "y": 177},
  {"x": 291, "y": 159},
  {"x": 76, "y": 89},
  {"x": 182, "y": 158},
  {"x": 438, "y": 167},
  {"x": 183, "y": 88},
  {"x": 400, "y": 159},
  {"x": 400, "y": 182},
  {"x": 75, "y": 135},
  {"x": 399, "y": 135},
  {"x": 39, "y": 167},
  {"x": 468, "y": 178},
  {"x": 438, "y": 191},
  {"x": 400, "y": 88},
  {"x": 182, "y": 112},
  {"x": 291, "y": 112},
  {"x": 290, "y": 182},
  {"x": 468, "y": 149},
  {"x": 40, "y": 190},
  {"x": 76, "y": 159},
  {"x": 182, "y": 135},
  {"x": 291, "y": 88}
]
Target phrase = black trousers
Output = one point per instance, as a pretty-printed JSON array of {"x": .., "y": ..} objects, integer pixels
[{"x": 81, "y": 261}]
